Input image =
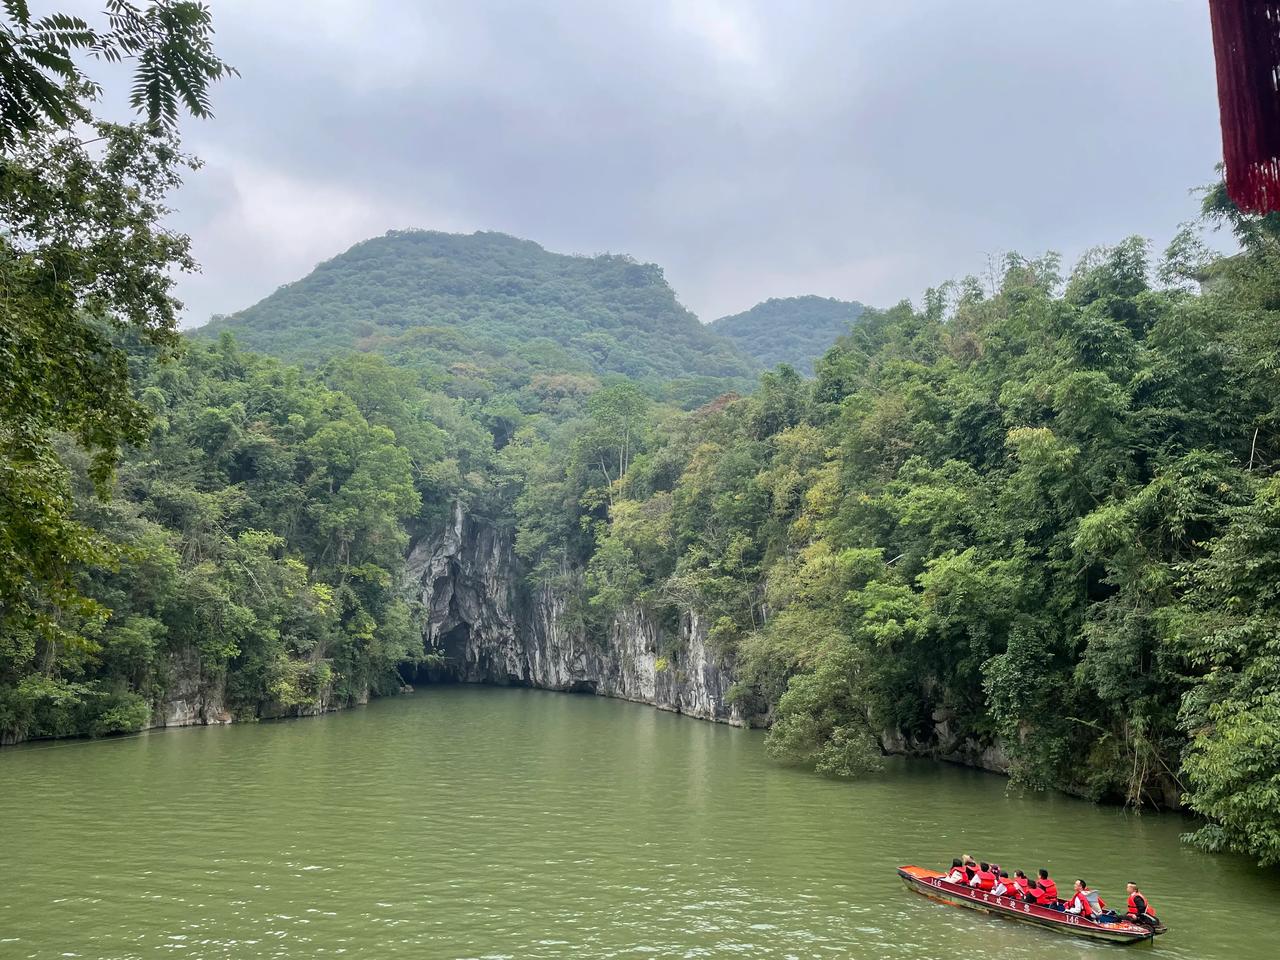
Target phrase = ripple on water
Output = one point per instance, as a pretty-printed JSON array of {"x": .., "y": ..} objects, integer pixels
[{"x": 491, "y": 824}]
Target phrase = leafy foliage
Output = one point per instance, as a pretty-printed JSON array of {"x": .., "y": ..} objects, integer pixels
[
  {"x": 41, "y": 85},
  {"x": 795, "y": 331},
  {"x": 86, "y": 274},
  {"x": 261, "y": 529},
  {"x": 489, "y": 308},
  {"x": 1229, "y": 629},
  {"x": 1043, "y": 517},
  {"x": 85, "y": 268}
]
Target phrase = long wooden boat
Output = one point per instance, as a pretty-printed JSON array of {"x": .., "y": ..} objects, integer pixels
[{"x": 934, "y": 886}]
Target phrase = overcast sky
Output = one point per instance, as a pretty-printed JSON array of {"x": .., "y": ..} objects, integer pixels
[{"x": 863, "y": 149}]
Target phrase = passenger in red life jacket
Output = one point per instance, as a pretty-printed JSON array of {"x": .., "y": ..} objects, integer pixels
[
  {"x": 1047, "y": 890},
  {"x": 970, "y": 867},
  {"x": 1140, "y": 909},
  {"x": 984, "y": 879},
  {"x": 1079, "y": 904},
  {"x": 957, "y": 874},
  {"x": 1004, "y": 886},
  {"x": 1020, "y": 885}
]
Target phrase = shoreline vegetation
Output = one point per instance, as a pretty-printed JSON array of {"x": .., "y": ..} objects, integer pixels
[
  {"x": 1022, "y": 515},
  {"x": 1041, "y": 507}
]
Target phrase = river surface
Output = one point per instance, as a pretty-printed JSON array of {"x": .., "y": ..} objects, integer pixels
[{"x": 486, "y": 823}]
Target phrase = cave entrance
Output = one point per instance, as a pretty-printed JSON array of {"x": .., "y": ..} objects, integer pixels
[
  {"x": 449, "y": 655},
  {"x": 460, "y": 656}
]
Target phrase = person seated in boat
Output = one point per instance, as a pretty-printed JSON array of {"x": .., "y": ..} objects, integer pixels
[
  {"x": 1079, "y": 904},
  {"x": 957, "y": 874},
  {"x": 970, "y": 867},
  {"x": 1140, "y": 909},
  {"x": 1100, "y": 912},
  {"x": 1004, "y": 886},
  {"x": 1021, "y": 885},
  {"x": 1046, "y": 890},
  {"x": 983, "y": 879}
]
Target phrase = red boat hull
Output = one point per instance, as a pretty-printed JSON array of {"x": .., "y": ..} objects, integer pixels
[{"x": 932, "y": 885}]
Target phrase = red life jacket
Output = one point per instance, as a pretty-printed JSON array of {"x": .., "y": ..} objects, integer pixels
[
  {"x": 1081, "y": 901},
  {"x": 1049, "y": 890},
  {"x": 1020, "y": 885},
  {"x": 1133, "y": 907},
  {"x": 986, "y": 879}
]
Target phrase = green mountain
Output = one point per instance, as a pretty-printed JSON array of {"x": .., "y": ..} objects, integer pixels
[
  {"x": 502, "y": 307},
  {"x": 793, "y": 330}
]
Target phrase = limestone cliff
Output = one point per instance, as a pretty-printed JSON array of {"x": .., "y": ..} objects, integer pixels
[
  {"x": 487, "y": 626},
  {"x": 195, "y": 697},
  {"x": 490, "y": 629},
  {"x": 191, "y": 697}
]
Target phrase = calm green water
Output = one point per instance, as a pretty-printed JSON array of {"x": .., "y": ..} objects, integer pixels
[{"x": 470, "y": 822}]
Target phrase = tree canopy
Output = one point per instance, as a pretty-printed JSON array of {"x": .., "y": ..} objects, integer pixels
[
  {"x": 505, "y": 307},
  {"x": 170, "y": 43},
  {"x": 795, "y": 330},
  {"x": 1041, "y": 516},
  {"x": 86, "y": 271}
]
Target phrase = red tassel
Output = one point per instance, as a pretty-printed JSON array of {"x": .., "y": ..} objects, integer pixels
[{"x": 1246, "y": 44}]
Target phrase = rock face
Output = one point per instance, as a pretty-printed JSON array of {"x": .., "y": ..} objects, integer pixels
[
  {"x": 191, "y": 698},
  {"x": 488, "y": 629},
  {"x": 946, "y": 745}
]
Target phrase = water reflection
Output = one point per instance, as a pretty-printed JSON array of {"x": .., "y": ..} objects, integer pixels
[{"x": 466, "y": 822}]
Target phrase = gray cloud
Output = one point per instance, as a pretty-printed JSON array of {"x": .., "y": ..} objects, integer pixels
[{"x": 862, "y": 150}]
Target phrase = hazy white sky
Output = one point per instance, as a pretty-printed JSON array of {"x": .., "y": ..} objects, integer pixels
[{"x": 862, "y": 149}]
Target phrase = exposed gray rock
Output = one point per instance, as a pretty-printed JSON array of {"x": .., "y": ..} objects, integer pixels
[
  {"x": 946, "y": 745},
  {"x": 489, "y": 630},
  {"x": 489, "y": 627},
  {"x": 191, "y": 697},
  {"x": 194, "y": 697}
]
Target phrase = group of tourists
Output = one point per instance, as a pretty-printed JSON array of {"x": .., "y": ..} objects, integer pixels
[{"x": 1043, "y": 892}]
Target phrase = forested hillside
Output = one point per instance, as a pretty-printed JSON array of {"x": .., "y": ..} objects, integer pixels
[
  {"x": 257, "y": 535},
  {"x": 1049, "y": 516},
  {"x": 794, "y": 330},
  {"x": 488, "y": 306}
]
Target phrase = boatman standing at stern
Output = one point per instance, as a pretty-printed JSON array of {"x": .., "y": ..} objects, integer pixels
[{"x": 1140, "y": 909}]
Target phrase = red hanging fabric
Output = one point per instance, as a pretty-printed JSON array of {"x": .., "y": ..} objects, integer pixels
[{"x": 1246, "y": 45}]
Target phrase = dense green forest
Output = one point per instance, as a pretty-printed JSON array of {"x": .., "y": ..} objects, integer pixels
[
  {"x": 792, "y": 330},
  {"x": 1046, "y": 514},
  {"x": 1043, "y": 515},
  {"x": 490, "y": 310},
  {"x": 1040, "y": 510}
]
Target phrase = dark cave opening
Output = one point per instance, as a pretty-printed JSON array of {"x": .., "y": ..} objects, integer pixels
[{"x": 445, "y": 657}]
